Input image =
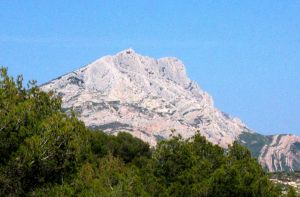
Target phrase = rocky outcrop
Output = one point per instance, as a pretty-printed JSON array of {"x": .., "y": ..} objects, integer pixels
[
  {"x": 281, "y": 154},
  {"x": 274, "y": 152},
  {"x": 146, "y": 97}
]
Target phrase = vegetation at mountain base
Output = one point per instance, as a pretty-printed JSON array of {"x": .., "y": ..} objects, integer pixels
[
  {"x": 44, "y": 152},
  {"x": 287, "y": 180}
]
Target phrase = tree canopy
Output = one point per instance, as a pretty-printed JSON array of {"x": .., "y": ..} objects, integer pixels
[{"x": 44, "y": 152}]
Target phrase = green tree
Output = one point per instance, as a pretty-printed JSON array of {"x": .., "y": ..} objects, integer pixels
[
  {"x": 39, "y": 144},
  {"x": 44, "y": 152},
  {"x": 291, "y": 192},
  {"x": 127, "y": 147}
]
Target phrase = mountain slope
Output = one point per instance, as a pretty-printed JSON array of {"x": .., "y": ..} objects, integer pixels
[
  {"x": 274, "y": 152},
  {"x": 149, "y": 98}
]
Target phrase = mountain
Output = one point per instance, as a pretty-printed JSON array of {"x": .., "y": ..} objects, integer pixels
[{"x": 153, "y": 99}]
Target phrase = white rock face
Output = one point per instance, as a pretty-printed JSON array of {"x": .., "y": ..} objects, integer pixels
[
  {"x": 281, "y": 153},
  {"x": 146, "y": 97}
]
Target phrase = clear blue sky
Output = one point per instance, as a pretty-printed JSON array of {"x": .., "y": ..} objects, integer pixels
[{"x": 246, "y": 54}]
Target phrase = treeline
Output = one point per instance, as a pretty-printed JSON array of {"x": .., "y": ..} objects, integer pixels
[{"x": 44, "y": 152}]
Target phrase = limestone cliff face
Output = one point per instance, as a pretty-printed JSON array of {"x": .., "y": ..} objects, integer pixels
[
  {"x": 283, "y": 153},
  {"x": 274, "y": 152},
  {"x": 146, "y": 97}
]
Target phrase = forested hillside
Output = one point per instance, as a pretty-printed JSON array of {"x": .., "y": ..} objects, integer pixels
[{"x": 44, "y": 152}]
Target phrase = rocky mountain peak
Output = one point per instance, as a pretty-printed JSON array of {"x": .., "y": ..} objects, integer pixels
[
  {"x": 149, "y": 97},
  {"x": 128, "y": 51},
  {"x": 170, "y": 68}
]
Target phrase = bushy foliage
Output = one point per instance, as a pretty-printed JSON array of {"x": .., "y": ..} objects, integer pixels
[
  {"x": 44, "y": 152},
  {"x": 39, "y": 143}
]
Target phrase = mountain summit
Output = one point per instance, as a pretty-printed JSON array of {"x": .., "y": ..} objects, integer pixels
[{"x": 153, "y": 99}]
